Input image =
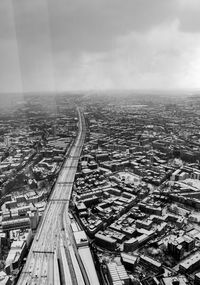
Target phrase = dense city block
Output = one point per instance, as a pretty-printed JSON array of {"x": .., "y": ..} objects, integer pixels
[{"x": 134, "y": 209}]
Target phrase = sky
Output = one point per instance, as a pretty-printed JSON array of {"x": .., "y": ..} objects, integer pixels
[{"x": 63, "y": 45}]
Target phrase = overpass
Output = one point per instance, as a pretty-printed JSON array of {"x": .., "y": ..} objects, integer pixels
[{"x": 53, "y": 258}]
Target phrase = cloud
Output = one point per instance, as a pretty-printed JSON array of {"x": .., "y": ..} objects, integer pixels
[
  {"x": 189, "y": 12},
  {"x": 93, "y": 25},
  {"x": 76, "y": 44},
  {"x": 162, "y": 57},
  {"x": 10, "y": 75}
]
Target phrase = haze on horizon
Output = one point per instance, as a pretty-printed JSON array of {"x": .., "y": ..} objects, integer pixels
[{"x": 48, "y": 45}]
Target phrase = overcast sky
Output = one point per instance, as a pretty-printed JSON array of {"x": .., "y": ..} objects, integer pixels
[{"x": 61, "y": 45}]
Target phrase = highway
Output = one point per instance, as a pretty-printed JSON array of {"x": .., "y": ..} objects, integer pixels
[{"x": 51, "y": 259}]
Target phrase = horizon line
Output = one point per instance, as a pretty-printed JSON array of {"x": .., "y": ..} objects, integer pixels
[{"x": 176, "y": 91}]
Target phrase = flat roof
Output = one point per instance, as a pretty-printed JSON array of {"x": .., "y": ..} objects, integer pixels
[
  {"x": 129, "y": 258},
  {"x": 151, "y": 260},
  {"x": 190, "y": 261},
  {"x": 80, "y": 238},
  {"x": 105, "y": 238},
  {"x": 169, "y": 280},
  {"x": 88, "y": 263}
]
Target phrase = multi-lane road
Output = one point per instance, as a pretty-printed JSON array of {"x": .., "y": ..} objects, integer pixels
[{"x": 52, "y": 241}]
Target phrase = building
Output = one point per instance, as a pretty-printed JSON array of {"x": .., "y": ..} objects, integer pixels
[
  {"x": 151, "y": 263},
  {"x": 129, "y": 261},
  {"x": 15, "y": 256},
  {"x": 105, "y": 241},
  {"x": 190, "y": 264},
  {"x": 117, "y": 274},
  {"x": 131, "y": 245},
  {"x": 180, "y": 280},
  {"x": 145, "y": 224},
  {"x": 178, "y": 246},
  {"x": 176, "y": 249},
  {"x": 80, "y": 238},
  {"x": 197, "y": 278}
]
